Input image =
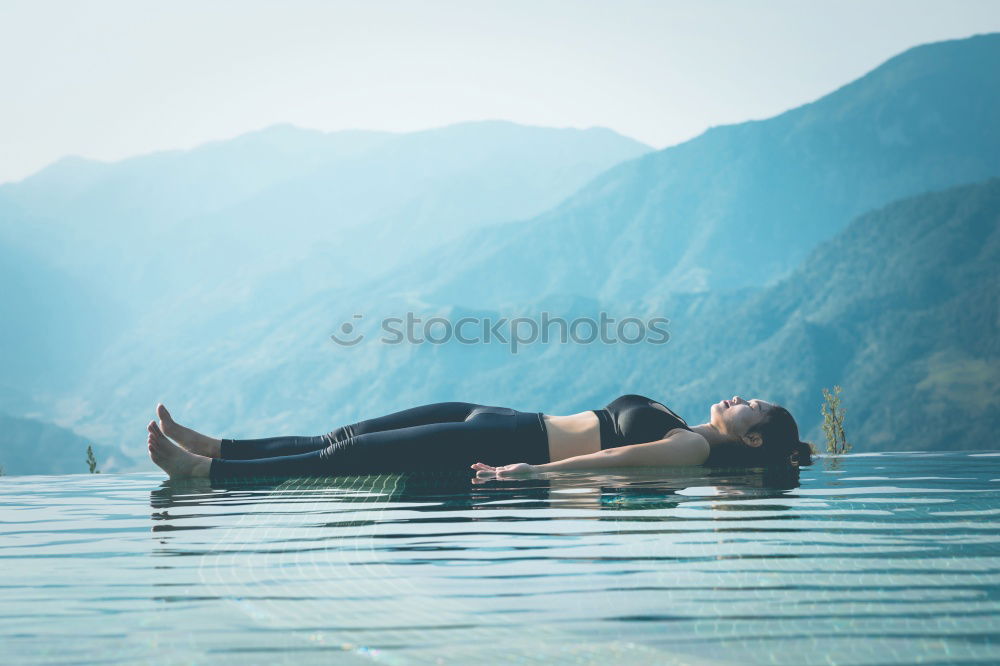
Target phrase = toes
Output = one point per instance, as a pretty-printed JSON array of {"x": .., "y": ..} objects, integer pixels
[{"x": 156, "y": 438}]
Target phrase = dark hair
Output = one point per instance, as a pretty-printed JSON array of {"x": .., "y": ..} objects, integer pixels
[{"x": 780, "y": 435}]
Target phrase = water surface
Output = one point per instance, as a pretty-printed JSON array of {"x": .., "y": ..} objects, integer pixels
[{"x": 873, "y": 559}]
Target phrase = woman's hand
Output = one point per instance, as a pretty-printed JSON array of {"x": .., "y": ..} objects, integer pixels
[{"x": 485, "y": 471}]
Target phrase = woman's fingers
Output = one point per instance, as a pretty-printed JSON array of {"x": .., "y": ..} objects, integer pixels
[{"x": 484, "y": 471}]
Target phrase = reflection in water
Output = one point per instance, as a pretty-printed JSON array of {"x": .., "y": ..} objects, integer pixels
[
  {"x": 640, "y": 488},
  {"x": 887, "y": 559},
  {"x": 356, "y": 541}
]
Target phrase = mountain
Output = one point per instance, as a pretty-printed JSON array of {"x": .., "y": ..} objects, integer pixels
[
  {"x": 246, "y": 222},
  {"x": 31, "y": 446},
  {"x": 263, "y": 201},
  {"x": 98, "y": 221},
  {"x": 742, "y": 205},
  {"x": 51, "y": 322},
  {"x": 347, "y": 222}
]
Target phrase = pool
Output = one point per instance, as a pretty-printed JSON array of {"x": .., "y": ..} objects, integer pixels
[{"x": 867, "y": 559}]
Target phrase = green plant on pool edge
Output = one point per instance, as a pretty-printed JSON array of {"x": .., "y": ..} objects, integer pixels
[
  {"x": 92, "y": 461},
  {"x": 833, "y": 423}
]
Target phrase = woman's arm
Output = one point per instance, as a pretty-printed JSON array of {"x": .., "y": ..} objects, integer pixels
[{"x": 678, "y": 449}]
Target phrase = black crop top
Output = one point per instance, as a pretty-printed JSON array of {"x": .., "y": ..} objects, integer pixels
[{"x": 634, "y": 419}]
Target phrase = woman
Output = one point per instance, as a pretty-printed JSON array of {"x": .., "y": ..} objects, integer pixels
[{"x": 631, "y": 431}]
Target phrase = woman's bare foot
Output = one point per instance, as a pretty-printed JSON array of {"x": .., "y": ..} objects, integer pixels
[
  {"x": 174, "y": 460},
  {"x": 193, "y": 441}
]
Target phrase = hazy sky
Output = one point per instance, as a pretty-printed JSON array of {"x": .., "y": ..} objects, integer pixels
[{"x": 112, "y": 79}]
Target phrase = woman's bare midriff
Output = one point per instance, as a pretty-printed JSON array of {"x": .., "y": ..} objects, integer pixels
[{"x": 572, "y": 435}]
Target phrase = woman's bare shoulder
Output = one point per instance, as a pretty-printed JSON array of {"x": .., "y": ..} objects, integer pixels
[{"x": 693, "y": 444}]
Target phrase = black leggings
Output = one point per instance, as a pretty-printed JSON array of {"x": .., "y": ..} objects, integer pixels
[{"x": 436, "y": 437}]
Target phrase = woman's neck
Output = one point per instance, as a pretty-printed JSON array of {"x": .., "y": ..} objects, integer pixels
[{"x": 712, "y": 434}]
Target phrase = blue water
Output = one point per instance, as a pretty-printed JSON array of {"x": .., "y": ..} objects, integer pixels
[{"x": 872, "y": 559}]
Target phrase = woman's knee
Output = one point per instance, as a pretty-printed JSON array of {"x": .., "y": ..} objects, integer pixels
[
  {"x": 369, "y": 454},
  {"x": 337, "y": 434},
  {"x": 338, "y": 455}
]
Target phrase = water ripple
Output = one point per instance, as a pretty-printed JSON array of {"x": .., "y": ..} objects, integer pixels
[{"x": 874, "y": 559}]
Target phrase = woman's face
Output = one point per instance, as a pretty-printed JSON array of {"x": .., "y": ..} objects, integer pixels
[{"x": 735, "y": 416}]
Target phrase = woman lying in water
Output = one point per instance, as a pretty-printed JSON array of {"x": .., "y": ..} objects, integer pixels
[{"x": 632, "y": 431}]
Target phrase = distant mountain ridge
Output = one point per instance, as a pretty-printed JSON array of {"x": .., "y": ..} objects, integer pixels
[
  {"x": 30, "y": 446},
  {"x": 219, "y": 199},
  {"x": 742, "y": 205},
  {"x": 252, "y": 219}
]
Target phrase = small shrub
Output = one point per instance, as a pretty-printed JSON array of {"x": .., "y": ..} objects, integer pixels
[
  {"x": 92, "y": 461},
  {"x": 833, "y": 423}
]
